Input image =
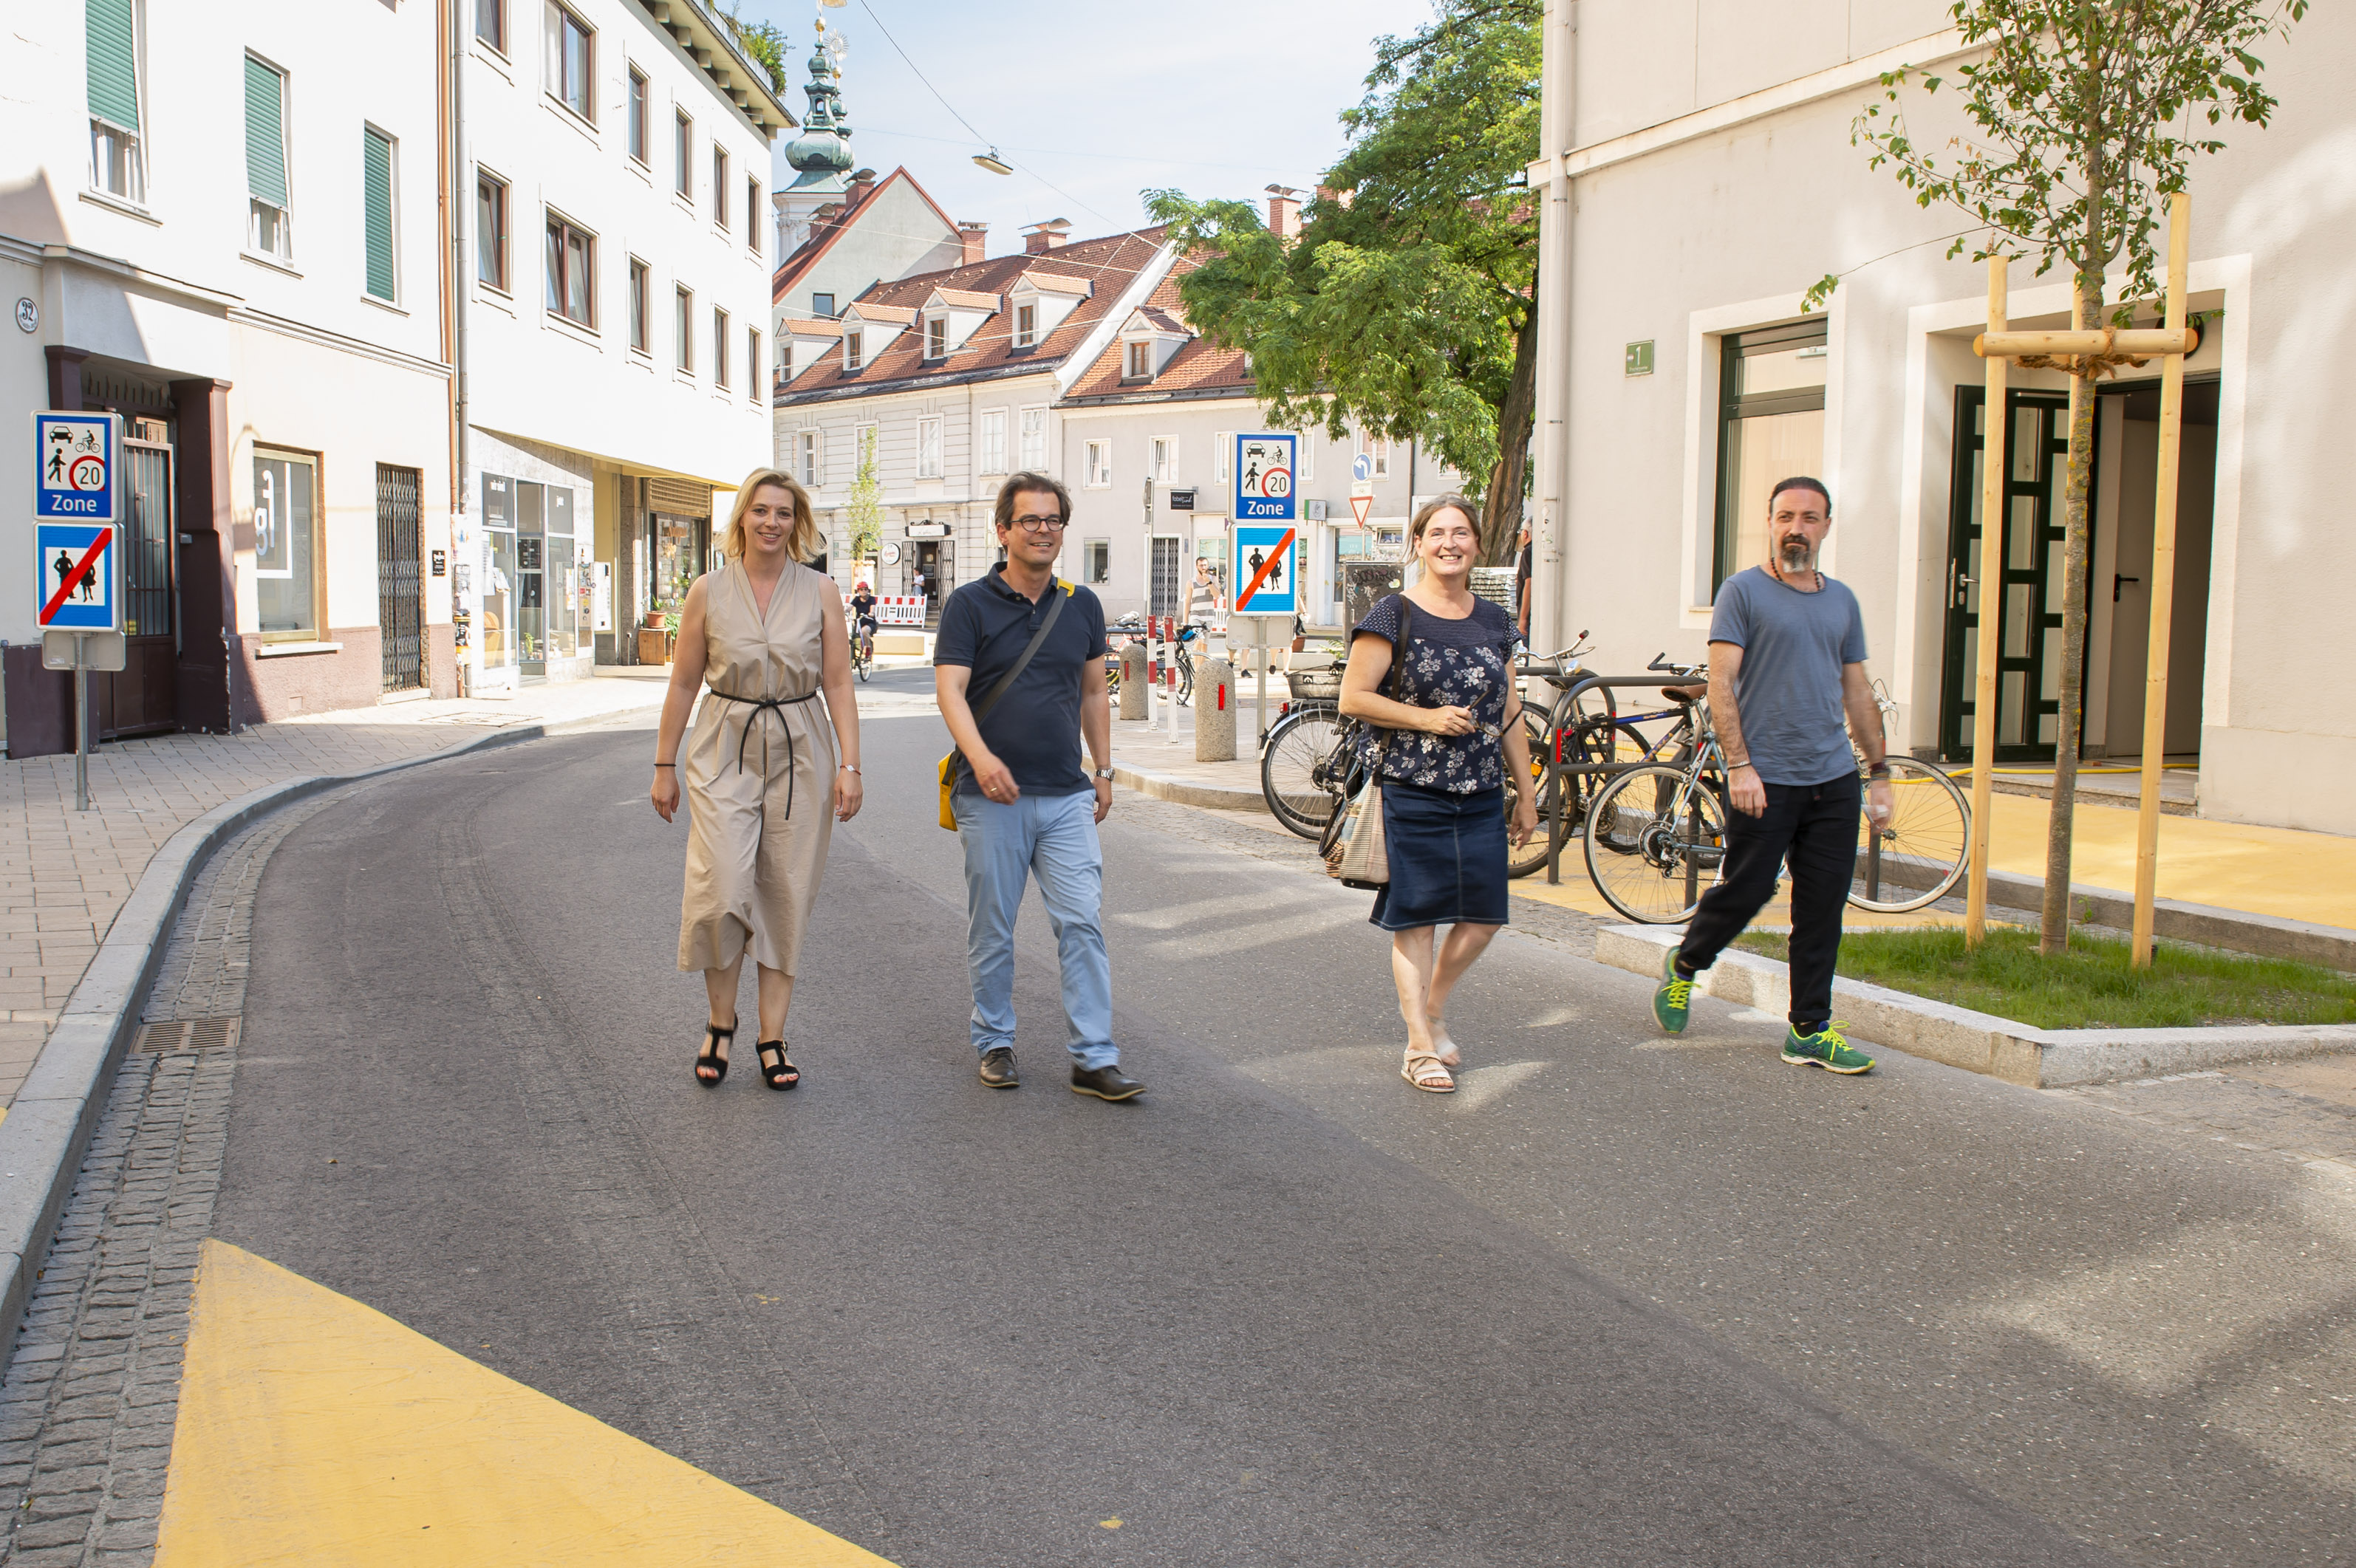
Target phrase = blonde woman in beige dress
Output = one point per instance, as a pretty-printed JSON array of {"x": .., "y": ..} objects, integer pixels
[{"x": 764, "y": 779}]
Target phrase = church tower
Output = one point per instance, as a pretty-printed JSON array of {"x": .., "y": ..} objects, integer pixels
[{"x": 821, "y": 155}]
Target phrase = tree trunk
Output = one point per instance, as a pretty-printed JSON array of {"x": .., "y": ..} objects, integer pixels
[
  {"x": 1500, "y": 508},
  {"x": 2053, "y": 936}
]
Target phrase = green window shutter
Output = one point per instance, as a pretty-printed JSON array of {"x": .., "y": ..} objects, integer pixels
[
  {"x": 265, "y": 133},
  {"x": 113, "y": 64},
  {"x": 376, "y": 201}
]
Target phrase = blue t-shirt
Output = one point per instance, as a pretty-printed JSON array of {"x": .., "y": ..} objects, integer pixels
[
  {"x": 1035, "y": 727},
  {"x": 1449, "y": 664},
  {"x": 1787, "y": 695}
]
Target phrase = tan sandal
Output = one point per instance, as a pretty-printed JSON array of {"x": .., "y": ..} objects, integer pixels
[
  {"x": 1428, "y": 1072},
  {"x": 1442, "y": 1045}
]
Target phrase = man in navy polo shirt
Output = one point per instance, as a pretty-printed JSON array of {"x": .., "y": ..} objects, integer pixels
[{"x": 1025, "y": 806}]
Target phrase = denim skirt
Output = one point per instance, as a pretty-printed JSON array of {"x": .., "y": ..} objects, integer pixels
[{"x": 1448, "y": 858}]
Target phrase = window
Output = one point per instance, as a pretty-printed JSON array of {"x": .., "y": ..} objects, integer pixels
[
  {"x": 637, "y": 127},
  {"x": 1382, "y": 454},
  {"x": 1034, "y": 439},
  {"x": 1308, "y": 459},
  {"x": 265, "y": 159},
  {"x": 1100, "y": 464},
  {"x": 753, "y": 214},
  {"x": 718, "y": 347},
  {"x": 821, "y": 305},
  {"x": 1026, "y": 325},
  {"x": 1140, "y": 362},
  {"x": 806, "y": 451},
  {"x": 572, "y": 271},
  {"x": 753, "y": 362},
  {"x": 1166, "y": 460},
  {"x": 641, "y": 308},
  {"x": 1223, "y": 443},
  {"x": 719, "y": 187},
  {"x": 116, "y": 167},
  {"x": 285, "y": 546},
  {"x": 993, "y": 442},
  {"x": 1097, "y": 554},
  {"x": 929, "y": 449},
  {"x": 376, "y": 211},
  {"x": 854, "y": 350},
  {"x": 1771, "y": 426},
  {"x": 682, "y": 144},
  {"x": 569, "y": 61},
  {"x": 936, "y": 337},
  {"x": 491, "y": 230},
  {"x": 491, "y": 23},
  {"x": 685, "y": 327}
]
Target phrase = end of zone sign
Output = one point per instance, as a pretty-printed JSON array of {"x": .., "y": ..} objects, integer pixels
[
  {"x": 1264, "y": 467},
  {"x": 74, "y": 577},
  {"x": 1267, "y": 570},
  {"x": 75, "y": 457}
]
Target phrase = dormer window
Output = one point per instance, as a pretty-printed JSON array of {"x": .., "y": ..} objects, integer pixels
[
  {"x": 853, "y": 349},
  {"x": 936, "y": 337},
  {"x": 1026, "y": 325},
  {"x": 1140, "y": 362}
]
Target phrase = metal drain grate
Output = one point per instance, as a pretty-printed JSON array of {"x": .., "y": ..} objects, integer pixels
[{"x": 187, "y": 1034}]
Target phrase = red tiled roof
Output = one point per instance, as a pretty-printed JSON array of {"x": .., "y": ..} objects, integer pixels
[
  {"x": 1160, "y": 320},
  {"x": 871, "y": 311},
  {"x": 967, "y": 298},
  {"x": 1054, "y": 283},
  {"x": 1110, "y": 263},
  {"x": 800, "y": 328},
  {"x": 1196, "y": 366}
]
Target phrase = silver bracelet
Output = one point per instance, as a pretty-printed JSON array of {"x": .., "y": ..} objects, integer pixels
[{"x": 845, "y": 768}]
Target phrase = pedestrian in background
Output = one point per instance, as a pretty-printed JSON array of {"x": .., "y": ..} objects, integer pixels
[
  {"x": 1521, "y": 586},
  {"x": 1203, "y": 598},
  {"x": 1432, "y": 676},
  {"x": 1019, "y": 674},
  {"x": 1786, "y": 666},
  {"x": 764, "y": 782}
]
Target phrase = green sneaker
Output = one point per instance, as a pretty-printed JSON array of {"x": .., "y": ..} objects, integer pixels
[
  {"x": 1673, "y": 997},
  {"x": 1827, "y": 1049}
]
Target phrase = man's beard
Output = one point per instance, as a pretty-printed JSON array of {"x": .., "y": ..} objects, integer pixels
[{"x": 1797, "y": 555}]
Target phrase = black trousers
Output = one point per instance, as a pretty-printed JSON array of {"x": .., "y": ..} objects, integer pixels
[{"x": 1813, "y": 827}]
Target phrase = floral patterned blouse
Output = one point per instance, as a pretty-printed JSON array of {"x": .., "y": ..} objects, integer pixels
[{"x": 1463, "y": 664}]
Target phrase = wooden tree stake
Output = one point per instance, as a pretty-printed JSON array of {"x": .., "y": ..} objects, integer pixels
[
  {"x": 2163, "y": 586},
  {"x": 1994, "y": 427}
]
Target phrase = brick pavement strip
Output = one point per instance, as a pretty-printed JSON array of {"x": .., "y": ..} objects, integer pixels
[{"x": 91, "y": 1388}]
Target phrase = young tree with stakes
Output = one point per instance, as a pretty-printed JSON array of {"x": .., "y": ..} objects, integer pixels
[
  {"x": 2087, "y": 114},
  {"x": 866, "y": 513}
]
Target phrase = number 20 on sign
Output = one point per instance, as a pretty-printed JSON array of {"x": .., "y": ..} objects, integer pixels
[{"x": 76, "y": 460}]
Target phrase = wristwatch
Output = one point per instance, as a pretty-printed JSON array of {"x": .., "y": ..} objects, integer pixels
[{"x": 1102, "y": 774}]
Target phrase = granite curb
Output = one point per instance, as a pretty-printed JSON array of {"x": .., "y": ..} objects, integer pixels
[
  {"x": 49, "y": 1126},
  {"x": 1187, "y": 792},
  {"x": 1980, "y": 1042}
]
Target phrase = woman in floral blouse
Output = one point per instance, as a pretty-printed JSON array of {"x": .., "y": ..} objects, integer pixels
[{"x": 1448, "y": 742}]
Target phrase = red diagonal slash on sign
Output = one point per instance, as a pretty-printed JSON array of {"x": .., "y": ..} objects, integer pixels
[
  {"x": 1244, "y": 599},
  {"x": 73, "y": 578}
]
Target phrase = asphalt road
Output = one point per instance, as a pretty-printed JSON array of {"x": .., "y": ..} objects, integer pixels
[{"x": 1621, "y": 1300}]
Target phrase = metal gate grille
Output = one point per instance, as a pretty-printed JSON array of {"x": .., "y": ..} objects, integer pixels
[
  {"x": 147, "y": 552},
  {"x": 1164, "y": 601},
  {"x": 399, "y": 589}
]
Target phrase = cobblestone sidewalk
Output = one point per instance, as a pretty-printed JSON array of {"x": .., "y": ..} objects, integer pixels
[
  {"x": 91, "y": 1387},
  {"x": 64, "y": 874}
]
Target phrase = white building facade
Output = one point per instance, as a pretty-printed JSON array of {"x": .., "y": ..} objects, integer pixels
[{"x": 1708, "y": 179}]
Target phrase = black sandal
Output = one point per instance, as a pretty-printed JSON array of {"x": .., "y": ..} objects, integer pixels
[
  {"x": 781, "y": 1073},
  {"x": 714, "y": 1037}
]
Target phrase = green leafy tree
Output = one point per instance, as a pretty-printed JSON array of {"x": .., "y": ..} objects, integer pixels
[
  {"x": 867, "y": 510},
  {"x": 764, "y": 41},
  {"x": 2085, "y": 115},
  {"x": 1406, "y": 304}
]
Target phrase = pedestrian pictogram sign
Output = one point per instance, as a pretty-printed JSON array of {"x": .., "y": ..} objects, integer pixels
[
  {"x": 74, "y": 577},
  {"x": 1264, "y": 469},
  {"x": 75, "y": 459},
  {"x": 1267, "y": 570}
]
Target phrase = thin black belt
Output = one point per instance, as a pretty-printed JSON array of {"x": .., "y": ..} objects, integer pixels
[{"x": 778, "y": 706}]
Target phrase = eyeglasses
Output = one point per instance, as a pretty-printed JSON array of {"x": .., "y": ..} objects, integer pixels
[{"x": 1039, "y": 524}]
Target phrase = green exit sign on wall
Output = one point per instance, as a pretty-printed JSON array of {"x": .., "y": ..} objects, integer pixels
[{"x": 1640, "y": 359}]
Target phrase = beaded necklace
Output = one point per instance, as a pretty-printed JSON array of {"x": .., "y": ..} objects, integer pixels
[{"x": 1779, "y": 577}]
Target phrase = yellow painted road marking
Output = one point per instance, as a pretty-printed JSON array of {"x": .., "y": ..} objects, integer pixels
[{"x": 313, "y": 1430}]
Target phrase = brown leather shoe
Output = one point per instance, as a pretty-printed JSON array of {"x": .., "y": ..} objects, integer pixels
[{"x": 1106, "y": 1082}]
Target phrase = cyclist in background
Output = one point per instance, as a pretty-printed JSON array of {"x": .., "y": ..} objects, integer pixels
[
  {"x": 862, "y": 605},
  {"x": 1786, "y": 665}
]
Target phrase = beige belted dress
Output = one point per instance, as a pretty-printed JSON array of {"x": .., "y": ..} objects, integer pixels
[{"x": 758, "y": 773}]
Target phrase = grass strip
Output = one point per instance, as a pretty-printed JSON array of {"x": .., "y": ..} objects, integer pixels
[{"x": 2092, "y": 986}]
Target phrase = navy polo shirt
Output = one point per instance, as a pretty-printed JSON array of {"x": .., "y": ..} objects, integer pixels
[{"x": 1035, "y": 727}]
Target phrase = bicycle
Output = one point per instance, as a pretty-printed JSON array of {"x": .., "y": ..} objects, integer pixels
[
  {"x": 1921, "y": 852},
  {"x": 1303, "y": 761},
  {"x": 1655, "y": 834}
]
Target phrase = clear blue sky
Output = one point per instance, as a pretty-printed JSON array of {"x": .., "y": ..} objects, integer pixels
[{"x": 1092, "y": 103}]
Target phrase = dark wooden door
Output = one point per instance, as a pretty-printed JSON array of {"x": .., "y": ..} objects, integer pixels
[
  {"x": 143, "y": 698},
  {"x": 399, "y": 584},
  {"x": 2027, "y": 582}
]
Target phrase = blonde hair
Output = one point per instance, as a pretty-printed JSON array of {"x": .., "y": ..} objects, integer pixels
[
  {"x": 1439, "y": 504},
  {"x": 801, "y": 544}
]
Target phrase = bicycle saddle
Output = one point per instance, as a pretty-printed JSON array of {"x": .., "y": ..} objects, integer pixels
[{"x": 1684, "y": 693}]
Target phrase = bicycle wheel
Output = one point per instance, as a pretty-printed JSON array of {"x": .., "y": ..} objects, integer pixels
[
  {"x": 1650, "y": 856},
  {"x": 1293, "y": 773},
  {"x": 1185, "y": 675},
  {"x": 1922, "y": 852}
]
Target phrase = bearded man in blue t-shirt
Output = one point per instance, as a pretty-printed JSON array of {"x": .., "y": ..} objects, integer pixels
[{"x": 1786, "y": 667}]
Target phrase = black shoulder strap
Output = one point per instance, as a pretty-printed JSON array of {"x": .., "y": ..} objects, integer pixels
[{"x": 1024, "y": 661}]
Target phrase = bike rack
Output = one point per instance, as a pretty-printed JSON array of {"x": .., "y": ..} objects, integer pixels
[{"x": 1558, "y": 834}]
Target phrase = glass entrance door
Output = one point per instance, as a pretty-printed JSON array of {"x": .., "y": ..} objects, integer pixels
[
  {"x": 2029, "y": 579},
  {"x": 532, "y": 563}
]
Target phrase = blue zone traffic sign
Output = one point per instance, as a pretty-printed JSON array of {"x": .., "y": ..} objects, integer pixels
[
  {"x": 1263, "y": 473},
  {"x": 75, "y": 456},
  {"x": 73, "y": 577},
  {"x": 1267, "y": 570}
]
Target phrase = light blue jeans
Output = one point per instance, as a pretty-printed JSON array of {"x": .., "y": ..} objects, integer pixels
[{"x": 1053, "y": 838}]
